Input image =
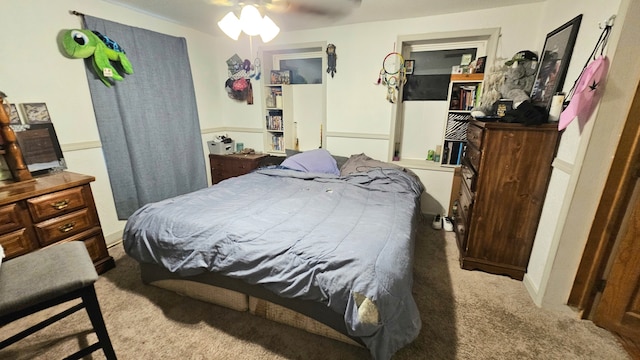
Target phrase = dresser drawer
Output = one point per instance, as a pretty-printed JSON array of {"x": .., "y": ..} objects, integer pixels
[
  {"x": 466, "y": 202},
  {"x": 473, "y": 156},
  {"x": 55, "y": 204},
  {"x": 10, "y": 218},
  {"x": 468, "y": 177},
  {"x": 94, "y": 242},
  {"x": 16, "y": 243},
  {"x": 56, "y": 229},
  {"x": 460, "y": 229},
  {"x": 237, "y": 168},
  {"x": 227, "y": 166},
  {"x": 474, "y": 136}
]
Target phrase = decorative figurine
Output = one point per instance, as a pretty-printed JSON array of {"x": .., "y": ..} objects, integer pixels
[{"x": 331, "y": 59}]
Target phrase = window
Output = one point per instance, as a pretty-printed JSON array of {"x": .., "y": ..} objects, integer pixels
[
  {"x": 431, "y": 73},
  {"x": 305, "y": 67}
]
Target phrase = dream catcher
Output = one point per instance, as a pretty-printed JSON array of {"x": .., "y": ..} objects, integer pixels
[{"x": 392, "y": 75}]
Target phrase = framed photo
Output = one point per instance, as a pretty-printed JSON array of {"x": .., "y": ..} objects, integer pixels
[
  {"x": 408, "y": 66},
  {"x": 14, "y": 116},
  {"x": 554, "y": 61},
  {"x": 480, "y": 64},
  {"x": 281, "y": 77},
  {"x": 40, "y": 148},
  {"x": 36, "y": 113}
]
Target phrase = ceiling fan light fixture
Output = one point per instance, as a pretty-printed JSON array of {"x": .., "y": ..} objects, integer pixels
[
  {"x": 230, "y": 25},
  {"x": 269, "y": 29},
  {"x": 251, "y": 20}
]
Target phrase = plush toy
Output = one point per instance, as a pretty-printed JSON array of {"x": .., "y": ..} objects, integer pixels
[
  {"x": 512, "y": 81},
  {"x": 85, "y": 43}
]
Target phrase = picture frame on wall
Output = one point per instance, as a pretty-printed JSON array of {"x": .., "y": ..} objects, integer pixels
[
  {"x": 36, "y": 113},
  {"x": 408, "y": 66},
  {"x": 554, "y": 62},
  {"x": 480, "y": 64},
  {"x": 281, "y": 77},
  {"x": 14, "y": 115}
]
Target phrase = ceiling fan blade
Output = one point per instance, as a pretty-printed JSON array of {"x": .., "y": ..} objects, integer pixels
[
  {"x": 278, "y": 6},
  {"x": 332, "y": 8},
  {"x": 222, "y": 2}
]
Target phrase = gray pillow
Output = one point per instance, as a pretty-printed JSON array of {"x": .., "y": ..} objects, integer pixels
[
  {"x": 313, "y": 161},
  {"x": 363, "y": 163},
  {"x": 340, "y": 160}
]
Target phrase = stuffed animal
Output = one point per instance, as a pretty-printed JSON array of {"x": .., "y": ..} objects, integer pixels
[
  {"x": 85, "y": 43},
  {"x": 512, "y": 81}
]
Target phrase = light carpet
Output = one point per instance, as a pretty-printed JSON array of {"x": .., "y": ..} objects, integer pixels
[{"x": 465, "y": 315}]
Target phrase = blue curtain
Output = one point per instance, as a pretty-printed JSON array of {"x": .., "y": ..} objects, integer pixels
[{"x": 148, "y": 122}]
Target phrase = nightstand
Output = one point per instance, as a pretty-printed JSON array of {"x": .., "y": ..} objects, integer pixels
[{"x": 226, "y": 166}]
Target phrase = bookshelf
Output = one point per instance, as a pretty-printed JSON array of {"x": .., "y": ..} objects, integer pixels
[
  {"x": 279, "y": 131},
  {"x": 464, "y": 94}
]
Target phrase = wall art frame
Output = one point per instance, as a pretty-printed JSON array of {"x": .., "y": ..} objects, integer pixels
[
  {"x": 36, "y": 113},
  {"x": 554, "y": 62},
  {"x": 40, "y": 148}
]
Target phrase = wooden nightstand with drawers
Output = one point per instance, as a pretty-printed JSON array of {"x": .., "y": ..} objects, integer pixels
[
  {"x": 226, "y": 166},
  {"x": 50, "y": 210}
]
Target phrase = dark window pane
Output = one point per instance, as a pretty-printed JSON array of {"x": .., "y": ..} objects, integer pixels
[
  {"x": 303, "y": 71},
  {"x": 431, "y": 73}
]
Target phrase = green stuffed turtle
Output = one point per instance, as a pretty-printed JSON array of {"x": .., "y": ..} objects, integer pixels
[{"x": 80, "y": 44}]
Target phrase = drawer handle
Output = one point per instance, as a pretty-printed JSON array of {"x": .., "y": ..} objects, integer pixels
[
  {"x": 67, "y": 227},
  {"x": 59, "y": 205}
]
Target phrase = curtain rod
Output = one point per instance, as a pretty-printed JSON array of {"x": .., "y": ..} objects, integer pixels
[{"x": 73, "y": 12}]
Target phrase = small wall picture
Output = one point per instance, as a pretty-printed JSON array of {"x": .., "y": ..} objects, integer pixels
[
  {"x": 36, "y": 113},
  {"x": 408, "y": 66},
  {"x": 14, "y": 116},
  {"x": 280, "y": 77},
  {"x": 480, "y": 64}
]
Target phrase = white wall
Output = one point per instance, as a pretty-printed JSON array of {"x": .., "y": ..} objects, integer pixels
[
  {"x": 34, "y": 70},
  {"x": 358, "y": 116},
  {"x": 585, "y": 157}
]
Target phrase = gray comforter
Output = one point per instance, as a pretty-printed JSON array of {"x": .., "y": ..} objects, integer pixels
[{"x": 342, "y": 241}]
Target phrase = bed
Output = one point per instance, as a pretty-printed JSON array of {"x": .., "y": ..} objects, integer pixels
[{"x": 328, "y": 249}]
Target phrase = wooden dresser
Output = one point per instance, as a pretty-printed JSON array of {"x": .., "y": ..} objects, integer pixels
[
  {"x": 226, "y": 166},
  {"x": 50, "y": 210},
  {"x": 504, "y": 176}
]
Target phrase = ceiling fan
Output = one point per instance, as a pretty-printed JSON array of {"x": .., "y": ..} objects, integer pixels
[
  {"x": 254, "y": 20},
  {"x": 331, "y": 8}
]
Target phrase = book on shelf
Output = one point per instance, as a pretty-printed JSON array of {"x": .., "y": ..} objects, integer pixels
[
  {"x": 277, "y": 143},
  {"x": 464, "y": 97},
  {"x": 453, "y": 152},
  {"x": 275, "y": 123}
]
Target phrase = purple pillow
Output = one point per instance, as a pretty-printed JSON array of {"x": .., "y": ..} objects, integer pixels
[{"x": 313, "y": 161}]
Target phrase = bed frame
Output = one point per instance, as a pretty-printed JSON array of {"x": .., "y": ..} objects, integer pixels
[{"x": 238, "y": 295}]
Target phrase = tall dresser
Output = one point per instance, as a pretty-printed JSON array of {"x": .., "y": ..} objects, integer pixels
[
  {"x": 504, "y": 176},
  {"x": 49, "y": 210}
]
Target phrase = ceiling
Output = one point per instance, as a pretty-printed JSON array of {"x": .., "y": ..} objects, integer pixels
[{"x": 203, "y": 15}]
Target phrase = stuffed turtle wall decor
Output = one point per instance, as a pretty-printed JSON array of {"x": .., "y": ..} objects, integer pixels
[{"x": 80, "y": 43}]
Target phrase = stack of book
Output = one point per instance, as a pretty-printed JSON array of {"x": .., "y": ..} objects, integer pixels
[
  {"x": 453, "y": 152},
  {"x": 274, "y": 122},
  {"x": 467, "y": 96},
  {"x": 277, "y": 143}
]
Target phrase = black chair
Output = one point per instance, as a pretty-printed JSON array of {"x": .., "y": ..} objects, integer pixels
[{"x": 48, "y": 277}]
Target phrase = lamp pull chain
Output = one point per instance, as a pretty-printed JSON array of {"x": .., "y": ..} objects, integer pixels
[{"x": 250, "y": 44}]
